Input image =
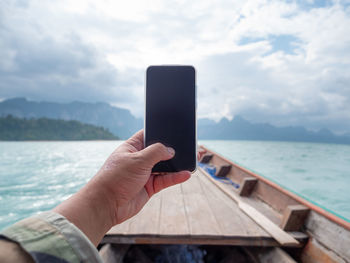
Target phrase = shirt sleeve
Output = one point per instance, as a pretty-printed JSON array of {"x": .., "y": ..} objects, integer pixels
[{"x": 50, "y": 237}]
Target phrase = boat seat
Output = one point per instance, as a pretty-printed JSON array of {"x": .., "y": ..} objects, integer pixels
[
  {"x": 206, "y": 158},
  {"x": 224, "y": 170}
]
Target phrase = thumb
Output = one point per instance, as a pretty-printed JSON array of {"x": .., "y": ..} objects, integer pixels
[{"x": 156, "y": 152}]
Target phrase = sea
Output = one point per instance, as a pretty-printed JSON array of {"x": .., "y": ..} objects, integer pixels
[{"x": 36, "y": 176}]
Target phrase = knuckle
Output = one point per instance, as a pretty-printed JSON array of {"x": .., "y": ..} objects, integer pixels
[
  {"x": 160, "y": 147},
  {"x": 137, "y": 157}
]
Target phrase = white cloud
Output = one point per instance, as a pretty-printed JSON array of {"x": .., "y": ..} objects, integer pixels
[{"x": 121, "y": 38}]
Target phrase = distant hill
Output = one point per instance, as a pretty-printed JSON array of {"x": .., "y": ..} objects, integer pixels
[
  {"x": 241, "y": 129},
  {"x": 123, "y": 124},
  {"x": 119, "y": 121},
  {"x": 17, "y": 129}
]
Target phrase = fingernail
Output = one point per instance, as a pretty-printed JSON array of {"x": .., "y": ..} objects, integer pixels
[{"x": 171, "y": 150}]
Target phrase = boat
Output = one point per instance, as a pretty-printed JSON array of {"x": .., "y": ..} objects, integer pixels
[{"x": 227, "y": 213}]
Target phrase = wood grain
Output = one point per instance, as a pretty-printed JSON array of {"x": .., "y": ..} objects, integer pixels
[
  {"x": 282, "y": 237},
  {"x": 247, "y": 186},
  {"x": 173, "y": 220},
  {"x": 232, "y": 221},
  {"x": 147, "y": 220},
  {"x": 294, "y": 217},
  {"x": 195, "y": 212},
  {"x": 201, "y": 219}
]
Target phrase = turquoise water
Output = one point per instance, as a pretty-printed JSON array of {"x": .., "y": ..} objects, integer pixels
[
  {"x": 36, "y": 176},
  {"x": 318, "y": 172}
]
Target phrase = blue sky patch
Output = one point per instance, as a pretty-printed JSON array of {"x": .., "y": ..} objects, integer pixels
[
  {"x": 307, "y": 5},
  {"x": 249, "y": 40},
  {"x": 285, "y": 43}
]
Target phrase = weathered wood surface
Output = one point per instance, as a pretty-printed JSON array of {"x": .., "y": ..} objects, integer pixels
[
  {"x": 294, "y": 217},
  {"x": 314, "y": 252},
  {"x": 247, "y": 186},
  {"x": 269, "y": 226},
  {"x": 195, "y": 212},
  {"x": 271, "y": 193},
  {"x": 329, "y": 239}
]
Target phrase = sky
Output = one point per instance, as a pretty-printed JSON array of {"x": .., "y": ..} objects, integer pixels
[{"x": 282, "y": 62}]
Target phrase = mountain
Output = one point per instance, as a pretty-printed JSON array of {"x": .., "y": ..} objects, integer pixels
[
  {"x": 17, "y": 129},
  {"x": 241, "y": 129},
  {"x": 119, "y": 121},
  {"x": 123, "y": 124}
]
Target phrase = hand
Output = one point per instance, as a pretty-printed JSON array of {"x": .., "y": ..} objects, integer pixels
[
  {"x": 127, "y": 175},
  {"x": 120, "y": 188}
]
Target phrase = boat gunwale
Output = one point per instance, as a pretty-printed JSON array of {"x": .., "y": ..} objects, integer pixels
[
  {"x": 195, "y": 239},
  {"x": 314, "y": 207}
]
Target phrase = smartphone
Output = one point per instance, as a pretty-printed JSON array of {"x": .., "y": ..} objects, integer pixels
[{"x": 170, "y": 115}]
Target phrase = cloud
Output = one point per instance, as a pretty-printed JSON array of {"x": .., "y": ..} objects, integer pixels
[
  {"x": 282, "y": 62},
  {"x": 44, "y": 65},
  {"x": 308, "y": 85}
]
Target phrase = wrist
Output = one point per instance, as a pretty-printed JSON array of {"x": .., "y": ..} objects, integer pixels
[
  {"x": 100, "y": 203},
  {"x": 90, "y": 211}
]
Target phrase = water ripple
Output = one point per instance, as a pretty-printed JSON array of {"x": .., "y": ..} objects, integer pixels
[{"x": 36, "y": 176}]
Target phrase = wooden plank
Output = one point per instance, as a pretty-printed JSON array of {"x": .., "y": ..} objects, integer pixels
[
  {"x": 302, "y": 237},
  {"x": 232, "y": 221},
  {"x": 288, "y": 197},
  {"x": 272, "y": 196},
  {"x": 197, "y": 240},
  {"x": 282, "y": 237},
  {"x": 212, "y": 216},
  {"x": 332, "y": 236},
  {"x": 247, "y": 186},
  {"x": 294, "y": 217},
  {"x": 122, "y": 228},
  {"x": 314, "y": 252},
  {"x": 263, "y": 208},
  {"x": 173, "y": 220},
  {"x": 200, "y": 217},
  {"x": 237, "y": 175},
  {"x": 147, "y": 220},
  {"x": 113, "y": 253}
]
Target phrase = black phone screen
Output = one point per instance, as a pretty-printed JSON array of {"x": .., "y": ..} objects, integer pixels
[{"x": 171, "y": 114}]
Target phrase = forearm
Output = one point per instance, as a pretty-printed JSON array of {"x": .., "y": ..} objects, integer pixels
[{"x": 89, "y": 210}]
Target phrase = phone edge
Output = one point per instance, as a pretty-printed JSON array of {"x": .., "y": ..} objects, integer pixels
[{"x": 195, "y": 110}]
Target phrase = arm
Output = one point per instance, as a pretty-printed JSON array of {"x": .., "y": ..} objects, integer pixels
[
  {"x": 120, "y": 188},
  {"x": 117, "y": 192}
]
